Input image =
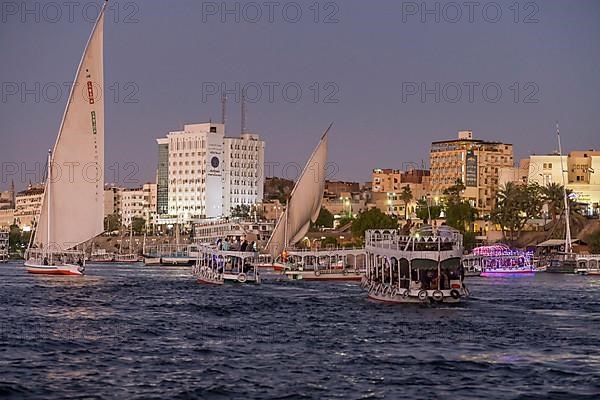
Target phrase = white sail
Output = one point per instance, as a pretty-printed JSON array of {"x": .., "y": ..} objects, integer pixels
[
  {"x": 73, "y": 204},
  {"x": 304, "y": 203}
]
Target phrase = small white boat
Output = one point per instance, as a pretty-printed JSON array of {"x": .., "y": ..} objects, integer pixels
[
  {"x": 216, "y": 265},
  {"x": 126, "y": 258},
  {"x": 54, "y": 263},
  {"x": 325, "y": 275},
  {"x": 150, "y": 260},
  {"x": 588, "y": 264}
]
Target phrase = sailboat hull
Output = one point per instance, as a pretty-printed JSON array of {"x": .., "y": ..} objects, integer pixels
[{"x": 64, "y": 269}]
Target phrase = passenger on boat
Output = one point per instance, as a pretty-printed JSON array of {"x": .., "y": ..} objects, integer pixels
[
  {"x": 45, "y": 262},
  {"x": 219, "y": 244},
  {"x": 226, "y": 244},
  {"x": 444, "y": 281},
  {"x": 251, "y": 246},
  {"x": 433, "y": 283},
  {"x": 244, "y": 246}
]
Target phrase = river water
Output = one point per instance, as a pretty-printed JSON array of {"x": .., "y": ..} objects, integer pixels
[{"x": 131, "y": 332}]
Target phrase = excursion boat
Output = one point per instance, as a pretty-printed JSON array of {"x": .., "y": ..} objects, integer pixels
[
  {"x": 72, "y": 210},
  {"x": 421, "y": 268},
  {"x": 499, "y": 259},
  {"x": 101, "y": 256},
  {"x": 172, "y": 254},
  {"x": 588, "y": 264},
  {"x": 216, "y": 266},
  {"x": 325, "y": 265}
]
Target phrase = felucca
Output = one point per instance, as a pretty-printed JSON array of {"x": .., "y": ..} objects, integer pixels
[{"x": 73, "y": 202}]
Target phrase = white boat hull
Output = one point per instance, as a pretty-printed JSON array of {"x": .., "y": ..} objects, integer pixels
[
  {"x": 241, "y": 278},
  {"x": 588, "y": 271},
  {"x": 152, "y": 261},
  {"x": 419, "y": 296},
  {"x": 325, "y": 275},
  {"x": 64, "y": 269},
  {"x": 177, "y": 261}
]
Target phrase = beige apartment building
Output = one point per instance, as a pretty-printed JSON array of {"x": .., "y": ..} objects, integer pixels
[
  {"x": 583, "y": 176},
  {"x": 139, "y": 203},
  {"x": 517, "y": 175},
  {"x": 388, "y": 184},
  {"x": 477, "y": 163},
  {"x": 27, "y": 206},
  {"x": 129, "y": 203}
]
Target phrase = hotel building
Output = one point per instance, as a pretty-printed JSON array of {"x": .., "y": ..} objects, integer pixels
[
  {"x": 207, "y": 173},
  {"x": 477, "y": 163}
]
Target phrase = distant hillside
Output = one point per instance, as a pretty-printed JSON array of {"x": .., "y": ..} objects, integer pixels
[{"x": 278, "y": 188}]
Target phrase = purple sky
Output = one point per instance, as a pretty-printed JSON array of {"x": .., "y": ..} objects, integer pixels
[{"x": 370, "y": 55}]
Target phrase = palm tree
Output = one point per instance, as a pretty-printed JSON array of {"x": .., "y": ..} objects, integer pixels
[
  {"x": 553, "y": 197},
  {"x": 406, "y": 196}
]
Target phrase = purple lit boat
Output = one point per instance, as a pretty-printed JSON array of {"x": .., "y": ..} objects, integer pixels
[{"x": 500, "y": 259}]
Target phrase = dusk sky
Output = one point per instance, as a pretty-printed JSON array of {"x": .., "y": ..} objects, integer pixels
[{"x": 366, "y": 66}]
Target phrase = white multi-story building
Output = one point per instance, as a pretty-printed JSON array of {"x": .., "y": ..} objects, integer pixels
[
  {"x": 139, "y": 203},
  {"x": 209, "y": 174},
  {"x": 243, "y": 177}
]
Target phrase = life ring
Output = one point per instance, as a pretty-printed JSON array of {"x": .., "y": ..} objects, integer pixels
[
  {"x": 405, "y": 294},
  {"x": 394, "y": 292},
  {"x": 455, "y": 294},
  {"x": 438, "y": 295},
  {"x": 345, "y": 272},
  {"x": 241, "y": 278},
  {"x": 422, "y": 295},
  {"x": 317, "y": 272}
]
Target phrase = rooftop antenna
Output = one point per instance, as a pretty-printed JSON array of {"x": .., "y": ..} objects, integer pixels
[
  {"x": 223, "y": 108},
  {"x": 243, "y": 111}
]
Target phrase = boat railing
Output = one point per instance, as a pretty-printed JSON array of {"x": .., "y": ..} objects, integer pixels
[
  {"x": 588, "y": 256},
  {"x": 210, "y": 250},
  {"x": 394, "y": 240},
  {"x": 63, "y": 256}
]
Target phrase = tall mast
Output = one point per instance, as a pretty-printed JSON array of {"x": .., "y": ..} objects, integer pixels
[
  {"x": 130, "y": 236},
  {"x": 48, "y": 179},
  {"x": 568, "y": 244},
  {"x": 285, "y": 227}
]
